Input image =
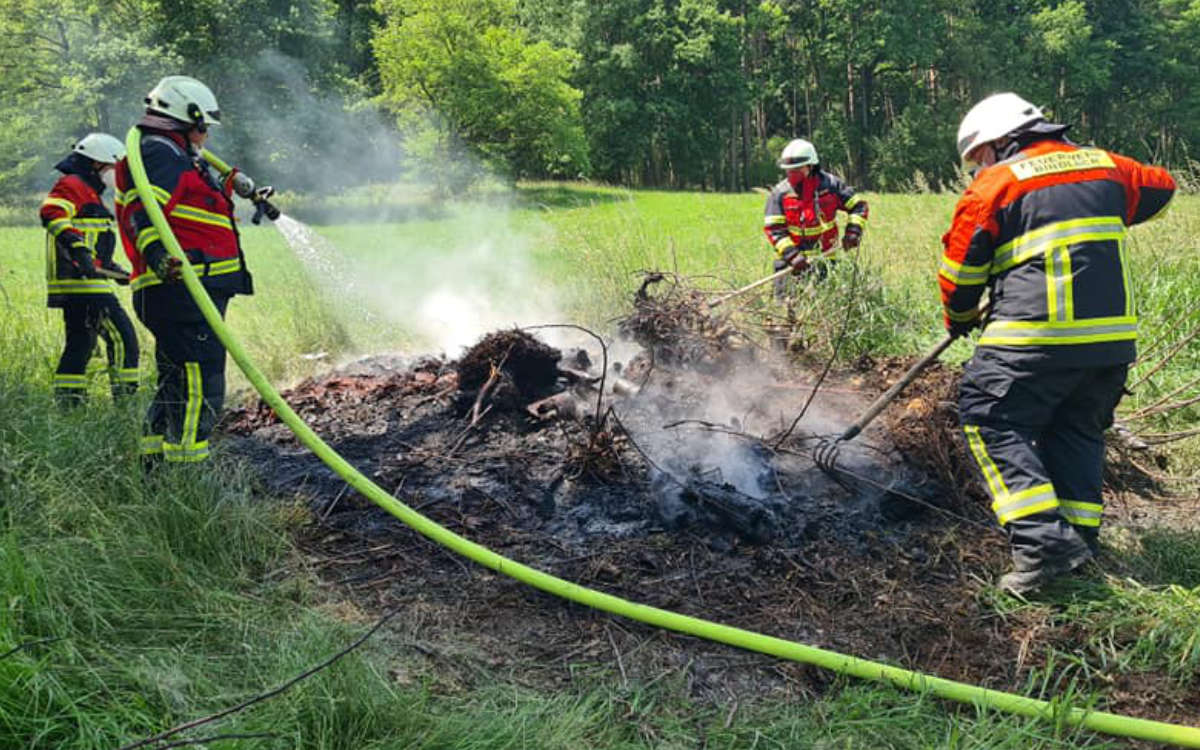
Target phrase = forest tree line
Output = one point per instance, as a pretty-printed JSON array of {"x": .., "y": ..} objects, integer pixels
[{"x": 698, "y": 94}]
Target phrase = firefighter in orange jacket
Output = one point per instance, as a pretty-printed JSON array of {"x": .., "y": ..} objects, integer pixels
[
  {"x": 800, "y": 218},
  {"x": 79, "y": 265},
  {"x": 1042, "y": 228},
  {"x": 199, "y": 209}
]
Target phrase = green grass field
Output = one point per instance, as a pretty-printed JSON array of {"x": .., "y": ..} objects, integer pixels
[{"x": 132, "y": 605}]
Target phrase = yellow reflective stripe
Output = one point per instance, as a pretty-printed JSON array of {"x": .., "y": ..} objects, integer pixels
[
  {"x": 772, "y": 220},
  {"x": 195, "y": 400},
  {"x": 147, "y": 279},
  {"x": 960, "y": 274},
  {"x": 79, "y": 286},
  {"x": 1034, "y": 333},
  {"x": 152, "y": 444},
  {"x": 1080, "y": 513},
  {"x": 62, "y": 203},
  {"x": 816, "y": 231},
  {"x": 856, "y": 220},
  {"x": 1060, "y": 299},
  {"x": 179, "y": 454},
  {"x": 69, "y": 380},
  {"x": 962, "y": 316},
  {"x": 56, "y": 226},
  {"x": 991, "y": 474},
  {"x": 127, "y": 374},
  {"x": 784, "y": 243},
  {"x": 191, "y": 213},
  {"x": 218, "y": 268},
  {"x": 145, "y": 237},
  {"x": 1122, "y": 246},
  {"x": 95, "y": 224},
  {"x": 160, "y": 194},
  {"x": 854, "y": 201},
  {"x": 1037, "y": 499},
  {"x": 1074, "y": 231},
  {"x": 116, "y": 347}
]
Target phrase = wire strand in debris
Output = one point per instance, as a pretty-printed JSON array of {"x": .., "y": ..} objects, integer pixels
[
  {"x": 158, "y": 738},
  {"x": 837, "y": 345}
]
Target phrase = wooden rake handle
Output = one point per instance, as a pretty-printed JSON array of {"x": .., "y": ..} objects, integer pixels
[
  {"x": 891, "y": 393},
  {"x": 725, "y": 298}
]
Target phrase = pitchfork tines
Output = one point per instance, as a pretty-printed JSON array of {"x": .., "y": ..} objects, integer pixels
[{"x": 825, "y": 455}]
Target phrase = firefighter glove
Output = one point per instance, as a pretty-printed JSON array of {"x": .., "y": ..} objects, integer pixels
[
  {"x": 794, "y": 258},
  {"x": 168, "y": 268},
  {"x": 81, "y": 256},
  {"x": 852, "y": 237},
  {"x": 960, "y": 328}
]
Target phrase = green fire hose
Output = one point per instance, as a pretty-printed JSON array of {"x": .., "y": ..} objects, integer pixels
[{"x": 1099, "y": 721}]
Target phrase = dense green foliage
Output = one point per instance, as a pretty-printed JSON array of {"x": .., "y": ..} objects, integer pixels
[{"x": 672, "y": 93}]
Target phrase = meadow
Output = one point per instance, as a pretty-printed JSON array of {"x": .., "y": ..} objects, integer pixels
[{"x": 134, "y": 604}]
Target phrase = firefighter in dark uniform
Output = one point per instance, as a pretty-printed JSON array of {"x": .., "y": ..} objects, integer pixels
[
  {"x": 1043, "y": 227},
  {"x": 800, "y": 218},
  {"x": 79, "y": 265},
  {"x": 199, "y": 209}
]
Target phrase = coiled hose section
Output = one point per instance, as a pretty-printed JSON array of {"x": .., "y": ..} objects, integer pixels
[{"x": 982, "y": 698}]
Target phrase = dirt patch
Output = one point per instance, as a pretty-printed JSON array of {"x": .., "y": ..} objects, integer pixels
[{"x": 688, "y": 490}]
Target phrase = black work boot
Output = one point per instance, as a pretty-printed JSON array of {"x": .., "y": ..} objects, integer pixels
[
  {"x": 1043, "y": 549},
  {"x": 1091, "y": 535},
  {"x": 1028, "y": 581}
]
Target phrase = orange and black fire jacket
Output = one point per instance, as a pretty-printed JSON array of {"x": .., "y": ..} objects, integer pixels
[
  {"x": 1044, "y": 231},
  {"x": 805, "y": 216},
  {"x": 79, "y": 229},
  {"x": 198, "y": 208}
]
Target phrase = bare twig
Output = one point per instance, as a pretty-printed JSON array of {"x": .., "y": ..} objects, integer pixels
[
  {"x": 1160, "y": 406},
  {"x": 493, "y": 378},
  {"x": 1168, "y": 437},
  {"x": 158, "y": 738},
  {"x": 1167, "y": 357},
  {"x": 617, "y": 652},
  {"x": 215, "y": 737}
]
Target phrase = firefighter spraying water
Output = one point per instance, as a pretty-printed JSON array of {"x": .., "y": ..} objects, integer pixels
[{"x": 171, "y": 163}]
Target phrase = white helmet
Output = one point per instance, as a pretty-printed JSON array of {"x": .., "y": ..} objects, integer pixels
[
  {"x": 185, "y": 99},
  {"x": 797, "y": 154},
  {"x": 994, "y": 117},
  {"x": 100, "y": 147}
]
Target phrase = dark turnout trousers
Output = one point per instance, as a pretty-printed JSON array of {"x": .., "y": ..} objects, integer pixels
[
  {"x": 191, "y": 380},
  {"x": 86, "y": 320},
  {"x": 1036, "y": 433}
]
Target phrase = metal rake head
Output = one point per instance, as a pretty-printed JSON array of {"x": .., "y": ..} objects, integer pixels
[{"x": 825, "y": 455}]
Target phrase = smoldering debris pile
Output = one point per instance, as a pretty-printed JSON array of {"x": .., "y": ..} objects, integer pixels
[
  {"x": 578, "y": 450},
  {"x": 676, "y": 327},
  {"x": 508, "y": 367}
]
